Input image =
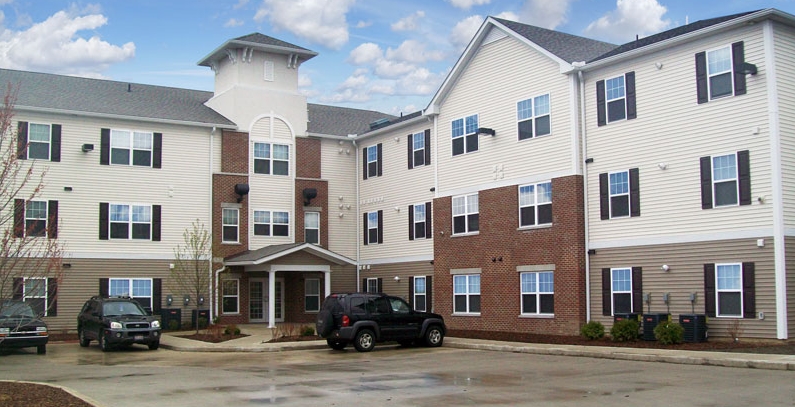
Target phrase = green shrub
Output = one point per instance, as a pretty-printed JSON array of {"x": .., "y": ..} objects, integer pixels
[
  {"x": 669, "y": 333},
  {"x": 202, "y": 323},
  {"x": 232, "y": 329},
  {"x": 593, "y": 330},
  {"x": 173, "y": 325},
  {"x": 625, "y": 330},
  {"x": 307, "y": 331}
]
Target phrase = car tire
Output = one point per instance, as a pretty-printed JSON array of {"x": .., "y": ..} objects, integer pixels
[
  {"x": 434, "y": 336},
  {"x": 84, "y": 341},
  {"x": 325, "y": 323},
  {"x": 41, "y": 349},
  {"x": 103, "y": 343},
  {"x": 364, "y": 341},
  {"x": 335, "y": 344},
  {"x": 154, "y": 345}
]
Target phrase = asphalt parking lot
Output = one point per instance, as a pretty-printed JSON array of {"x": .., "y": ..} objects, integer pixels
[{"x": 388, "y": 376}]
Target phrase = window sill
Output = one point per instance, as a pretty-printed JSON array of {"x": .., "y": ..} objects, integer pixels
[
  {"x": 534, "y": 227},
  {"x": 231, "y": 314},
  {"x": 465, "y": 234},
  {"x": 534, "y": 137},
  {"x": 537, "y": 316},
  {"x": 461, "y": 314},
  {"x": 231, "y": 243}
]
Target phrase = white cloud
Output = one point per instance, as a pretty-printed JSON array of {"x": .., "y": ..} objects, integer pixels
[
  {"x": 408, "y": 23},
  {"x": 355, "y": 81},
  {"x": 233, "y": 22},
  {"x": 383, "y": 88},
  {"x": 319, "y": 21},
  {"x": 55, "y": 46},
  {"x": 466, "y": 4},
  {"x": 240, "y": 4},
  {"x": 348, "y": 95},
  {"x": 365, "y": 53},
  {"x": 419, "y": 82},
  {"x": 508, "y": 15},
  {"x": 364, "y": 24},
  {"x": 464, "y": 30},
  {"x": 414, "y": 52},
  {"x": 545, "y": 13},
  {"x": 386, "y": 68},
  {"x": 630, "y": 18}
]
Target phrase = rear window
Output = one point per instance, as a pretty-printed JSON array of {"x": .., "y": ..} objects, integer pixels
[{"x": 357, "y": 305}]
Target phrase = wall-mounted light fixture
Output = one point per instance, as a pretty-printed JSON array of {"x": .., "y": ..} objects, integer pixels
[
  {"x": 241, "y": 190},
  {"x": 485, "y": 131},
  {"x": 397, "y": 279},
  {"x": 665, "y": 267},
  {"x": 589, "y": 160},
  {"x": 309, "y": 194},
  {"x": 591, "y": 251},
  {"x": 186, "y": 300},
  {"x": 201, "y": 300},
  {"x": 169, "y": 300},
  {"x": 87, "y": 147},
  {"x": 66, "y": 265},
  {"x": 747, "y": 69}
]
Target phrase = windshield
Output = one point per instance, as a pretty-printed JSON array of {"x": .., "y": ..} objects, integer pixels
[
  {"x": 16, "y": 309},
  {"x": 122, "y": 308}
]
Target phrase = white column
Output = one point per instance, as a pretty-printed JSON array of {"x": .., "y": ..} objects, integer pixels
[
  {"x": 327, "y": 277},
  {"x": 272, "y": 298}
]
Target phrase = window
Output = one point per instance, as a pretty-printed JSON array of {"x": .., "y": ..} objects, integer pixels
[
  {"x": 129, "y": 147},
  {"x": 231, "y": 296},
  {"x": 535, "y": 204},
  {"x": 718, "y": 72},
  {"x": 36, "y": 218},
  {"x": 533, "y": 117},
  {"x": 615, "y": 99},
  {"x": 267, "y": 223},
  {"x": 465, "y": 214},
  {"x": 39, "y": 292},
  {"x": 230, "y": 225},
  {"x": 726, "y": 180},
  {"x": 373, "y": 227},
  {"x": 268, "y": 70},
  {"x": 466, "y": 294},
  {"x": 420, "y": 221},
  {"x": 373, "y": 285},
  {"x": 538, "y": 293},
  {"x": 373, "y": 161},
  {"x": 271, "y": 159},
  {"x": 130, "y": 221},
  {"x": 312, "y": 295},
  {"x": 419, "y": 149},
  {"x": 139, "y": 289},
  {"x": 729, "y": 290},
  {"x": 38, "y": 141},
  {"x": 622, "y": 290},
  {"x": 619, "y": 194},
  {"x": 419, "y": 297},
  {"x": 465, "y": 135},
  {"x": 312, "y": 227}
]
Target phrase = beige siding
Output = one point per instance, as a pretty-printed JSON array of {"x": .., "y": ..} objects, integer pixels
[
  {"x": 338, "y": 167},
  {"x": 343, "y": 279},
  {"x": 790, "y": 264},
  {"x": 785, "y": 70},
  {"x": 686, "y": 275},
  {"x": 501, "y": 74},
  {"x": 672, "y": 129}
]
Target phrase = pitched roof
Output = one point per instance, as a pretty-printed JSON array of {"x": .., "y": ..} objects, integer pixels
[
  {"x": 341, "y": 121},
  {"x": 263, "y": 39},
  {"x": 112, "y": 98},
  {"x": 257, "y": 41},
  {"x": 273, "y": 252},
  {"x": 568, "y": 47},
  {"x": 665, "y": 35}
]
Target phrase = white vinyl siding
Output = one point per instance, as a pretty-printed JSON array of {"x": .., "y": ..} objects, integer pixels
[
  {"x": 338, "y": 165},
  {"x": 785, "y": 60}
]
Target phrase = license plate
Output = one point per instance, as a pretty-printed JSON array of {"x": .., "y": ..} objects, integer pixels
[{"x": 139, "y": 337}]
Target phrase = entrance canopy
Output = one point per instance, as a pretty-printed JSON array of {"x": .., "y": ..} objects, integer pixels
[{"x": 268, "y": 254}]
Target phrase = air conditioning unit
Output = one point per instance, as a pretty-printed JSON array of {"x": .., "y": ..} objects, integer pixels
[
  {"x": 695, "y": 327},
  {"x": 650, "y": 321},
  {"x": 632, "y": 317}
]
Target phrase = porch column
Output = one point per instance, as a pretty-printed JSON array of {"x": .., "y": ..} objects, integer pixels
[
  {"x": 272, "y": 299},
  {"x": 327, "y": 277}
]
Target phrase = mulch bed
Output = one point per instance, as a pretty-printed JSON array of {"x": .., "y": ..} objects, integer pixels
[{"x": 18, "y": 394}]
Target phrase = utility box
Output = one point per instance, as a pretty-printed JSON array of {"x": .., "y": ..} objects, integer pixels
[
  {"x": 695, "y": 327},
  {"x": 200, "y": 313},
  {"x": 650, "y": 321},
  {"x": 170, "y": 314}
]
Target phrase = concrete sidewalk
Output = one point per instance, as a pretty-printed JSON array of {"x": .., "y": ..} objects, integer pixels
[{"x": 259, "y": 337}]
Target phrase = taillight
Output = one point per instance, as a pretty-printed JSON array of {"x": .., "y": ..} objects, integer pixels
[{"x": 346, "y": 321}]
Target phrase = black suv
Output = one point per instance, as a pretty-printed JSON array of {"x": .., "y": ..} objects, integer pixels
[
  {"x": 113, "y": 321},
  {"x": 367, "y": 318},
  {"x": 20, "y": 327}
]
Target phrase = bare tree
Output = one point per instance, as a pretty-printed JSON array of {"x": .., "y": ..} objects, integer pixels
[
  {"x": 30, "y": 254},
  {"x": 191, "y": 272}
]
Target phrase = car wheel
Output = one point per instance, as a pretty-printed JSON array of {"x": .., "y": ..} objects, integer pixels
[
  {"x": 41, "y": 349},
  {"x": 365, "y": 340},
  {"x": 84, "y": 341},
  {"x": 103, "y": 343},
  {"x": 154, "y": 345},
  {"x": 325, "y": 323},
  {"x": 335, "y": 344},
  {"x": 434, "y": 336}
]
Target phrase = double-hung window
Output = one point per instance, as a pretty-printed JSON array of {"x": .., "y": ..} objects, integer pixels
[
  {"x": 538, "y": 293},
  {"x": 465, "y": 135},
  {"x": 725, "y": 180},
  {"x": 619, "y": 194},
  {"x": 720, "y": 72},
  {"x": 533, "y": 117},
  {"x": 129, "y": 147},
  {"x": 621, "y": 280},
  {"x": 419, "y": 294},
  {"x": 36, "y": 218},
  {"x": 312, "y": 227},
  {"x": 36, "y": 294},
  {"x": 373, "y": 161},
  {"x": 418, "y": 148},
  {"x": 535, "y": 204},
  {"x": 466, "y": 218},
  {"x": 271, "y": 223},
  {"x": 130, "y": 221},
  {"x": 420, "y": 221},
  {"x": 139, "y": 289},
  {"x": 230, "y": 225},
  {"x": 271, "y": 159},
  {"x": 230, "y": 291},
  {"x": 729, "y": 290},
  {"x": 38, "y": 141},
  {"x": 615, "y": 99},
  {"x": 312, "y": 295},
  {"x": 466, "y": 294},
  {"x": 373, "y": 285},
  {"x": 622, "y": 290},
  {"x": 373, "y": 225}
]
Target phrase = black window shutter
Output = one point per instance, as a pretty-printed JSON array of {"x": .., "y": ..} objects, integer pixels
[
  {"x": 606, "y": 293},
  {"x": 22, "y": 140},
  {"x": 365, "y": 229},
  {"x": 738, "y": 58},
  {"x": 55, "y": 143},
  {"x": 52, "y": 297},
  {"x": 18, "y": 288},
  {"x": 364, "y": 285},
  {"x": 380, "y": 159},
  {"x": 632, "y": 110},
  {"x": 637, "y": 290},
  {"x": 52, "y": 219},
  {"x": 380, "y": 226},
  {"x": 410, "y": 144},
  {"x": 104, "y": 147},
  {"x": 380, "y": 285},
  {"x": 744, "y": 176},
  {"x": 104, "y": 220},
  {"x": 709, "y": 289},
  {"x": 701, "y": 78},
  {"x": 411, "y": 292},
  {"x": 157, "y": 300},
  {"x": 411, "y": 222},
  {"x": 428, "y": 220},
  {"x": 157, "y": 150},
  {"x": 427, "y": 146},
  {"x": 706, "y": 183},
  {"x": 156, "y": 224},
  {"x": 364, "y": 163},
  {"x": 429, "y": 294},
  {"x": 749, "y": 291},
  {"x": 104, "y": 287},
  {"x": 601, "y": 106},
  {"x": 19, "y": 218},
  {"x": 604, "y": 197},
  {"x": 634, "y": 192}
]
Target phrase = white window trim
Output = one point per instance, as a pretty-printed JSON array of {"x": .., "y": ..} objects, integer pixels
[
  {"x": 268, "y": 73},
  {"x": 311, "y": 228},
  {"x": 465, "y": 214},
  {"x": 535, "y": 205},
  {"x": 534, "y": 116},
  {"x": 369, "y": 161},
  {"x": 236, "y": 296},
  {"x": 45, "y": 218},
  {"x": 613, "y": 292},
  {"x": 271, "y": 158},
  {"x": 367, "y": 288},
  {"x": 131, "y": 147},
  {"x": 270, "y": 224},
  {"x": 44, "y": 297},
  {"x": 306, "y": 294},
  {"x": 130, "y": 288},
  {"x": 414, "y": 150},
  {"x": 608, "y": 100},
  {"x": 424, "y": 220},
  {"x": 537, "y": 293},
  {"x": 730, "y": 71},
  {"x": 736, "y": 180},
  {"x": 467, "y": 294},
  {"x": 738, "y": 290},
  {"x": 465, "y": 134},
  {"x": 369, "y": 227},
  {"x": 610, "y": 195},
  {"x": 49, "y": 141},
  {"x": 236, "y": 225},
  {"x": 130, "y": 222},
  {"x": 424, "y": 295}
]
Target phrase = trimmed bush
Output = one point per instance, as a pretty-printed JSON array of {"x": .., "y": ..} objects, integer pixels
[
  {"x": 593, "y": 330},
  {"x": 307, "y": 331},
  {"x": 669, "y": 333},
  {"x": 232, "y": 329},
  {"x": 625, "y": 330},
  {"x": 173, "y": 325},
  {"x": 202, "y": 323}
]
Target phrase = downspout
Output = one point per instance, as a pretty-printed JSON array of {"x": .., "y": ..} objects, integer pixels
[
  {"x": 210, "y": 260},
  {"x": 358, "y": 217},
  {"x": 585, "y": 197},
  {"x": 217, "y": 284}
]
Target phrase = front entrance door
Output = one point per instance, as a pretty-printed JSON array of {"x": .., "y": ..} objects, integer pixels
[{"x": 258, "y": 300}]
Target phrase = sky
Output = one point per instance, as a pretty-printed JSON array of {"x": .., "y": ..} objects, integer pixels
[{"x": 385, "y": 55}]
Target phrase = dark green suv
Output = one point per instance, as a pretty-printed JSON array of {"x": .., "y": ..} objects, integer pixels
[
  {"x": 20, "y": 327},
  {"x": 366, "y": 318},
  {"x": 114, "y": 321}
]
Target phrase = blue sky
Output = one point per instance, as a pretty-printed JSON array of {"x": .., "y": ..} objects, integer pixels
[{"x": 385, "y": 55}]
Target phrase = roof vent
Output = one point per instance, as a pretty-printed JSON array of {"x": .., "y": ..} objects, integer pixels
[{"x": 379, "y": 123}]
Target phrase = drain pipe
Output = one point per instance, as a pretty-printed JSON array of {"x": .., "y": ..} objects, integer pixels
[
  {"x": 358, "y": 217},
  {"x": 210, "y": 260},
  {"x": 585, "y": 198},
  {"x": 217, "y": 284}
]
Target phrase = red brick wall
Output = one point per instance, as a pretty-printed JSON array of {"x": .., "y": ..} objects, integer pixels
[
  {"x": 242, "y": 317},
  {"x": 224, "y": 193},
  {"x": 320, "y": 201},
  {"x": 234, "y": 152},
  {"x": 307, "y": 158},
  {"x": 500, "y": 247}
]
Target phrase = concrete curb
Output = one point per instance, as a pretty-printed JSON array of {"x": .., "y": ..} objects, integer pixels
[{"x": 265, "y": 347}]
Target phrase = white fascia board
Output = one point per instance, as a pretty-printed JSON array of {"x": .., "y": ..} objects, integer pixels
[{"x": 124, "y": 117}]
